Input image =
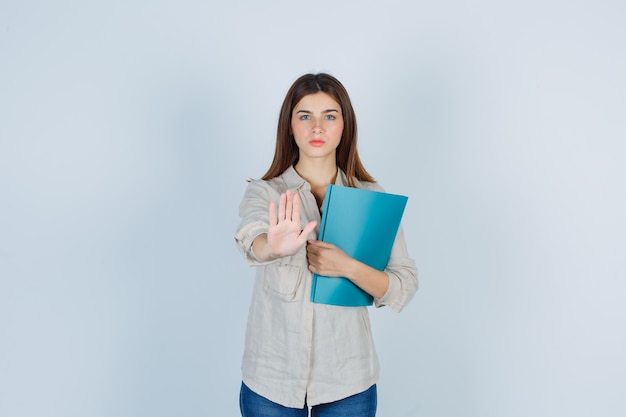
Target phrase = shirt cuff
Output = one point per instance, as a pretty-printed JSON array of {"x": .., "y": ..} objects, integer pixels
[
  {"x": 244, "y": 238},
  {"x": 393, "y": 288}
]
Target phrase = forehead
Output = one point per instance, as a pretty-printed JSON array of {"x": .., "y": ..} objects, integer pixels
[{"x": 317, "y": 102}]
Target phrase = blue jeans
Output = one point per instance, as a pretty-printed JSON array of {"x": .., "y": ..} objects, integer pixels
[{"x": 358, "y": 405}]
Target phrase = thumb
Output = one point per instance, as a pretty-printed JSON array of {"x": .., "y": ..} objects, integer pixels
[{"x": 308, "y": 228}]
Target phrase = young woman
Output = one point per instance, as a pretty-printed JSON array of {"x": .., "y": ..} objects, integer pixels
[{"x": 300, "y": 354}]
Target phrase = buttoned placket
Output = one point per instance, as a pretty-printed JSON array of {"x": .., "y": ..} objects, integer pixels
[{"x": 308, "y": 317}]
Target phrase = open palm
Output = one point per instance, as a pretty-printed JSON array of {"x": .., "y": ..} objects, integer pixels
[{"x": 286, "y": 236}]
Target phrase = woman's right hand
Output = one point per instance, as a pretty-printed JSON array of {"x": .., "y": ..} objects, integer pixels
[{"x": 285, "y": 236}]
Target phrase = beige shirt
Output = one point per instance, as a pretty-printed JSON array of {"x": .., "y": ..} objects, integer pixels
[{"x": 296, "y": 350}]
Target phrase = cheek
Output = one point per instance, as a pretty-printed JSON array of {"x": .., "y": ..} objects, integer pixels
[
  {"x": 337, "y": 130},
  {"x": 300, "y": 126},
  {"x": 296, "y": 131},
  {"x": 299, "y": 135}
]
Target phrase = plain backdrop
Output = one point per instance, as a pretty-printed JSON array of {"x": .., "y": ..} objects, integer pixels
[{"x": 128, "y": 130}]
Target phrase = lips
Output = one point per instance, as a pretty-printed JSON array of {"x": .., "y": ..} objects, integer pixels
[{"x": 317, "y": 142}]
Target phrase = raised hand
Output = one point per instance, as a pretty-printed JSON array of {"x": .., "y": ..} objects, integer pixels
[{"x": 285, "y": 236}]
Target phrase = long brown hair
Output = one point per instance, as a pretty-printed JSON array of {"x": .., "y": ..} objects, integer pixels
[{"x": 287, "y": 153}]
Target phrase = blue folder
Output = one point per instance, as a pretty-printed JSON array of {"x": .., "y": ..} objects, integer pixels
[{"x": 364, "y": 224}]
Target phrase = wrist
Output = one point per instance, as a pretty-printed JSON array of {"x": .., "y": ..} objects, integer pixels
[
  {"x": 261, "y": 249},
  {"x": 352, "y": 269}
]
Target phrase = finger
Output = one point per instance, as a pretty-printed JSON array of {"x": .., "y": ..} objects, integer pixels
[
  {"x": 273, "y": 219},
  {"x": 325, "y": 245},
  {"x": 311, "y": 258},
  {"x": 312, "y": 250},
  {"x": 320, "y": 244},
  {"x": 295, "y": 210},
  {"x": 289, "y": 206},
  {"x": 281, "y": 208},
  {"x": 308, "y": 229}
]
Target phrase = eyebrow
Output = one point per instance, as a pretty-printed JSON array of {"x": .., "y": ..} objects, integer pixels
[{"x": 323, "y": 112}]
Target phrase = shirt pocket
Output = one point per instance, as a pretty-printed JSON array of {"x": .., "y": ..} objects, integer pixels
[{"x": 285, "y": 281}]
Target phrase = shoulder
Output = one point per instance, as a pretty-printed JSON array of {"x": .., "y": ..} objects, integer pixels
[
  {"x": 262, "y": 188},
  {"x": 288, "y": 180},
  {"x": 372, "y": 186},
  {"x": 366, "y": 185}
]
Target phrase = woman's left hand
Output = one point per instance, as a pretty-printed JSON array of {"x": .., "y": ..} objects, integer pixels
[{"x": 327, "y": 259}]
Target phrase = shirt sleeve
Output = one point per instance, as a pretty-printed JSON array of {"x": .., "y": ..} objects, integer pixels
[
  {"x": 254, "y": 214},
  {"x": 402, "y": 272}
]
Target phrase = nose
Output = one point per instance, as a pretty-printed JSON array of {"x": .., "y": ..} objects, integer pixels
[{"x": 317, "y": 128}]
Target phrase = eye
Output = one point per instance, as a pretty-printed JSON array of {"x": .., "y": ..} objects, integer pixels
[
  {"x": 305, "y": 117},
  {"x": 330, "y": 117}
]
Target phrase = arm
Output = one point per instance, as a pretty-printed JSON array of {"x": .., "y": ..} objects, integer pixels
[
  {"x": 328, "y": 260},
  {"x": 393, "y": 287}
]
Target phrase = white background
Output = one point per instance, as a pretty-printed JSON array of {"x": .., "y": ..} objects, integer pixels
[{"x": 128, "y": 129}]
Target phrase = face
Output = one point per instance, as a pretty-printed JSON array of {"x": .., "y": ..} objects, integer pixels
[{"x": 317, "y": 126}]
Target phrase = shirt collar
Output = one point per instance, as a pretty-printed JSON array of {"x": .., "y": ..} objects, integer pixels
[{"x": 295, "y": 181}]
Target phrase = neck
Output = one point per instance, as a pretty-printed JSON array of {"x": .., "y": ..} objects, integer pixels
[{"x": 318, "y": 173}]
